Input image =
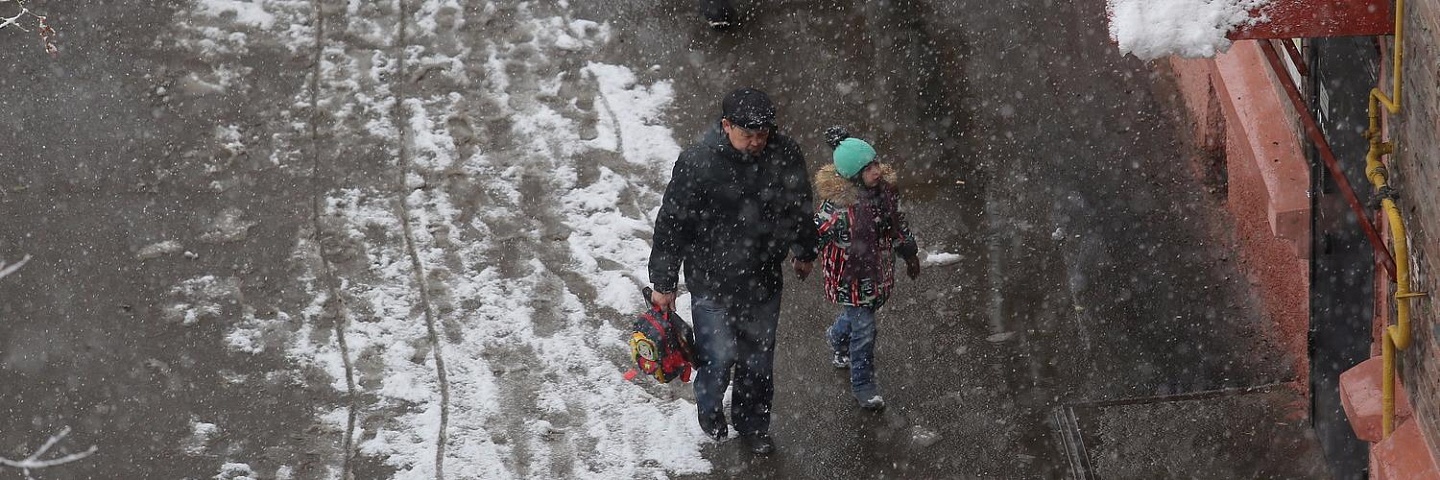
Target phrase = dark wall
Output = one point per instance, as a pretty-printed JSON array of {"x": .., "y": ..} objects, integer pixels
[{"x": 1342, "y": 263}]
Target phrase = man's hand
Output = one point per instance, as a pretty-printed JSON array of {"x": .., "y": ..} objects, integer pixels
[
  {"x": 802, "y": 269},
  {"x": 912, "y": 267},
  {"x": 666, "y": 301}
]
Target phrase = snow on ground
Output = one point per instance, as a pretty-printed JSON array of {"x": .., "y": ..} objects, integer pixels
[
  {"x": 252, "y": 13},
  {"x": 1152, "y": 29},
  {"x": 532, "y": 357},
  {"x": 941, "y": 259},
  {"x": 629, "y": 126}
]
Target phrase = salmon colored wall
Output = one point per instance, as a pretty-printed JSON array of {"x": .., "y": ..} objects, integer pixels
[
  {"x": 1267, "y": 185},
  {"x": 1267, "y": 179}
]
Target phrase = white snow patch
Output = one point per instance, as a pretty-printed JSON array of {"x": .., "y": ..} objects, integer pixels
[
  {"x": 250, "y": 13},
  {"x": 228, "y": 226},
  {"x": 603, "y": 232},
  {"x": 940, "y": 259},
  {"x": 200, "y": 435},
  {"x": 1152, "y": 29},
  {"x": 200, "y": 298},
  {"x": 637, "y": 111},
  {"x": 235, "y": 471},
  {"x": 158, "y": 249},
  {"x": 244, "y": 340}
]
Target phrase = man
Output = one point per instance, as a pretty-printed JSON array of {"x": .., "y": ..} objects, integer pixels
[{"x": 738, "y": 201}]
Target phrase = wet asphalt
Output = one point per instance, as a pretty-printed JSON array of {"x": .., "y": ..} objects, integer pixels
[{"x": 1093, "y": 266}]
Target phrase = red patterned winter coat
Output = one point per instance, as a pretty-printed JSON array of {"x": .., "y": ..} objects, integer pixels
[{"x": 839, "y": 198}]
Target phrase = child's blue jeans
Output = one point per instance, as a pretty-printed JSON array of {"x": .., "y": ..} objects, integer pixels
[{"x": 854, "y": 331}]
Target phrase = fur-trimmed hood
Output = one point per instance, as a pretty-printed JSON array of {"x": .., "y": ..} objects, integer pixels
[{"x": 842, "y": 192}]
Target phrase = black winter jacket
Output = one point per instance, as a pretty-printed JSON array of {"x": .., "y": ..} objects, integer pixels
[{"x": 730, "y": 219}]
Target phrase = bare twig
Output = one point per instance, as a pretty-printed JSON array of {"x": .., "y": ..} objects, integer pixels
[
  {"x": 33, "y": 462},
  {"x": 42, "y": 25},
  {"x": 15, "y": 20},
  {"x": 49, "y": 443},
  {"x": 4, "y": 270}
]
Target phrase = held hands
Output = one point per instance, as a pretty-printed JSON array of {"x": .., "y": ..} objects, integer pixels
[
  {"x": 666, "y": 301},
  {"x": 912, "y": 267},
  {"x": 802, "y": 269}
]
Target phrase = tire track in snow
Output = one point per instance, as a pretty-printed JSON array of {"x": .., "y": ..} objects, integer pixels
[
  {"x": 382, "y": 273},
  {"x": 436, "y": 347},
  {"x": 359, "y": 275},
  {"x": 330, "y": 280},
  {"x": 225, "y": 38}
]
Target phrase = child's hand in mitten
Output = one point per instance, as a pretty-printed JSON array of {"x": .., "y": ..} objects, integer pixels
[{"x": 912, "y": 267}]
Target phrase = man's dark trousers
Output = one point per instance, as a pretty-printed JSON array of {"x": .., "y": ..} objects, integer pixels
[{"x": 736, "y": 335}]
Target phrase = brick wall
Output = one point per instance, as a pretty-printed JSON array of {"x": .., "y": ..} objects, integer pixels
[{"x": 1415, "y": 170}]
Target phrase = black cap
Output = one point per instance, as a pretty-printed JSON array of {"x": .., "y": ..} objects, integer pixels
[
  {"x": 836, "y": 134},
  {"x": 748, "y": 108}
]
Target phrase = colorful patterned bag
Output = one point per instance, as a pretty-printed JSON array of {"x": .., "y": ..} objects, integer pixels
[{"x": 661, "y": 345}]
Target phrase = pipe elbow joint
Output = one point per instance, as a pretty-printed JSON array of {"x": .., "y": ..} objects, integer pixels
[{"x": 1400, "y": 339}]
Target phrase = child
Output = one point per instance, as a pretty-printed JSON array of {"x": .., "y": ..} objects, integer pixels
[{"x": 861, "y": 231}]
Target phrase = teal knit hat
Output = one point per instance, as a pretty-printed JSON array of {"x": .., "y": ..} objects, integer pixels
[{"x": 851, "y": 156}]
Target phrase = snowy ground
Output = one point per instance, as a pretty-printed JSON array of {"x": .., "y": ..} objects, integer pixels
[
  {"x": 471, "y": 193},
  {"x": 306, "y": 239},
  {"x": 464, "y": 365}
]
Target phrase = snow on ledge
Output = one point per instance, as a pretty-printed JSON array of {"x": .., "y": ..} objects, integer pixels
[{"x": 1152, "y": 29}]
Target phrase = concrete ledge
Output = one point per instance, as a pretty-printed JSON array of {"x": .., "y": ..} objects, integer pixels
[
  {"x": 1361, "y": 395},
  {"x": 1239, "y": 112},
  {"x": 1404, "y": 456},
  {"x": 1253, "y": 100}
]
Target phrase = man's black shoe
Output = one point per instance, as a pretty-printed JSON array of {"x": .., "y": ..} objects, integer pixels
[
  {"x": 718, "y": 434},
  {"x": 720, "y": 14},
  {"x": 759, "y": 443}
]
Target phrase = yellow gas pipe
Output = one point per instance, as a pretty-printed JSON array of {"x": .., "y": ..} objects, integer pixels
[{"x": 1394, "y": 337}]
